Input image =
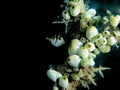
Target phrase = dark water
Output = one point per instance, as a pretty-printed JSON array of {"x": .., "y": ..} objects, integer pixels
[{"x": 43, "y": 53}]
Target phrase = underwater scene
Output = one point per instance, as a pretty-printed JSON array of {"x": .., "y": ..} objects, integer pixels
[{"x": 79, "y": 47}]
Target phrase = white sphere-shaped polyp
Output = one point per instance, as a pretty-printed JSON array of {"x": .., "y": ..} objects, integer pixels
[
  {"x": 114, "y": 21},
  {"x": 112, "y": 40},
  {"x": 104, "y": 49},
  {"x": 91, "y": 56},
  {"x": 98, "y": 44},
  {"x": 63, "y": 81},
  {"x": 96, "y": 51},
  {"x": 55, "y": 88},
  {"x": 66, "y": 15},
  {"x": 91, "y": 62},
  {"x": 83, "y": 52},
  {"x": 103, "y": 41},
  {"x": 91, "y": 32},
  {"x": 92, "y": 12},
  {"x": 83, "y": 23},
  {"x": 73, "y": 60},
  {"x": 90, "y": 46},
  {"x": 73, "y": 47},
  {"x": 58, "y": 74},
  {"x": 52, "y": 75},
  {"x": 118, "y": 17},
  {"x": 106, "y": 33},
  {"x": 87, "y": 62},
  {"x": 74, "y": 10},
  {"x": 84, "y": 62},
  {"x": 75, "y": 69},
  {"x": 86, "y": 16}
]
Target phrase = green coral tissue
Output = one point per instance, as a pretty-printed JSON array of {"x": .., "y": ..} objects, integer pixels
[{"x": 92, "y": 34}]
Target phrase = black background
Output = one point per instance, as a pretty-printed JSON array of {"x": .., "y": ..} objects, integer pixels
[{"x": 40, "y": 53}]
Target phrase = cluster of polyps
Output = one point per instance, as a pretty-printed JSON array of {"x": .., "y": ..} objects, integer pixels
[{"x": 100, "y": 33}]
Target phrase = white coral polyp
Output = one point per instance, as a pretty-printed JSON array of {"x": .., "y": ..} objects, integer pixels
[
  {"x": 90, "y": 46},
  {"x": 86, "y": 16},
  {"x": 63, "y": 81},
  {"x": 84, "y": 62},
  {"x": 73, "y": 60},
  {"x": 55, "y": 88},
  {"x": 91, "y": 56},
  {"x": 112, "y": 40},
  {"x": 66, "y": 15},
  {"x": 106, "y": 33},
  {"x": 89, "y": 14},
  {"x": 96, "y": 51},
  {"x": 104, "y": 49},
  {"x": 103, "y": 41},
  {"x": 73, "y": 47},
  {"x": 92, "y": 12},
  {"x": 91, "y": 62},
  {"x": 91, "y": 32},
  {"x": 74, "y": 10},
  {"x": 87, "y": 62},
  {"x": 53, "y": 75},
  {"x": 114, "y": 20},
  {"x": 83, "y": 52},
  {"x": 118, "y": 17}
]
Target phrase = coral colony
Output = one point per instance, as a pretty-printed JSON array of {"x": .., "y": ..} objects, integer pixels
[{"x": 91, "y": 35}]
